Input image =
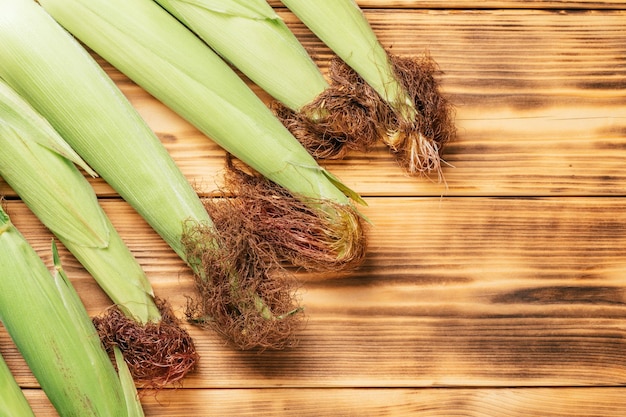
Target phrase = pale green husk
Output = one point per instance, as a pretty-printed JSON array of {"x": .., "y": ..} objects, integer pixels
[
  {"x": 133, "y": 404},
  {"x": 12, "y": 401},
  {"x": 250, "y": 35},
  {"x": 161, "y": 55},
  {"x": 39, "y": 165},
  {"x": 49, "y": 325},
  {"x": 58, "y": 77},
  {"x": 341, "y": 25}
]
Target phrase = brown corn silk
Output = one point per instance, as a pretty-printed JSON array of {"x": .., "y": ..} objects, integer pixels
[
  {"x": 319, "y": 236},
  {"x": 244, "y": 293},
  {"x": 351, "y": 115},
  {"x": 157, "y": 353}
]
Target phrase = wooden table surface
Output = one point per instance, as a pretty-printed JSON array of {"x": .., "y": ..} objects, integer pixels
[{"x": 500, "y": 292}]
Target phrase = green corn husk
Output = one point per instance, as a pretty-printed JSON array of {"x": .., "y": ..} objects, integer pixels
[
  {"x": 251, "y": 36},
  {"x": 43, "y": 64},
  {"x": 340, "y": 24},
  {"x": 50, "y": 327},
  {"x": 131, "y": 397},
  {"x": 413, "y": 119},
  {"x": 39, "y": 165},
  {"x": 157, "y": 52},
  {"x": 12, "y": 401},
  {"x": 354, "y": 110},
  {"x": 60, "y": 80}
]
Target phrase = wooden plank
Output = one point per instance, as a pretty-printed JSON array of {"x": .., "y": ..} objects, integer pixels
[
  {"x": 454, "y": 292},
  {"x": 539, "y": 95},
  {"x": 489, "y": 4},
  {"x": 515, "y": 402}
]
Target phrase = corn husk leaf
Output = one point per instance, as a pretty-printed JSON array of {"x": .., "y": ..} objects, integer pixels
[
  {"x": 259, "y": 44},
  {"x": 59, "y": 195},
  {"x": 156, "y": 51},
  {"x": 133, "y": 405},
  {"x": 250, "y": 9},
  {"x": 53, "y": 333},
  {"x": 12, "y": 401},
  {"x": 14, "y": 108},
  {"x": 26, "y": 135}
]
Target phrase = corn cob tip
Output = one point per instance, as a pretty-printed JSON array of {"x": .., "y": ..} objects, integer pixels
[
  {"x": 317, "y": 235},
  {"x": 242, "y": 292},
  {"x": 350, "y": 115},
  {"x": 340, "y": 119},
  {"x": 157, "y": 354},
  {"x": 419, "y": 143}
]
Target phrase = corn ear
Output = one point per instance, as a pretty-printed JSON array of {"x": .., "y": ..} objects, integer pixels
[
  {"x": 12, "y": 401},
  {"x": 58, "y": 77},
  {"x": 251, "y": 36},
  {"x": 50, "y": 327},
  {"x": 161, "y": 55},
  {"x": 408, "y": 112},
  {"x": 341, "y": 25},
  {"x": 34, "y": 162},
  {"x": 157, "y": 52}
]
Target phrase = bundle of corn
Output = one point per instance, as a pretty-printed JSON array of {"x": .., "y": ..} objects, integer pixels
[
  {"x": 63, "y": 83},
  {"x": 12, "y": 401},
  {"x": 157, "y": 52},
  {"x": 39, "y": 165},
  {"x": 50, "y": 327}
]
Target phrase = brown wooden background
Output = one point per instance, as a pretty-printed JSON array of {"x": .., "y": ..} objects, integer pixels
[{"x": 502, "y": 292}]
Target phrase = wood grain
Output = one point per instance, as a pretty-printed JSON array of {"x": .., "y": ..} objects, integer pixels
[
  {"x": 488, "y": 4},
  {"x": 457, "y": 291},
  {"x": 602, "y": 402},
  {"x": 500, "y": 292},
  {"x": 539, "y": 99}
]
